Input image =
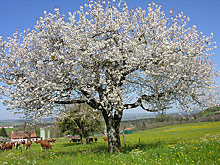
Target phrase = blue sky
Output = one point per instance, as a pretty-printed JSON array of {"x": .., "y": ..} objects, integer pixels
[{"x": 23, "y": 14}]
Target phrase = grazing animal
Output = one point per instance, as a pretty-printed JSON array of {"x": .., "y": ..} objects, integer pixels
[
  {"x": 90, "y": 140},
  {"x": 23, "y": 143},
  {"x": 45, "y": 145},
  {"x": 38, "y": 141},
  {"x": 105, "y": 138},
  {"x": 74, "y": 140},
  {"x": 1, "y": 146},
  {"x": 8, "y": 146},
  {"x": 28, "y": 145},
  {"x": 95, "y": 139},
  {"x": 13, "y": 143},
  {"x": 17, "y": 145},
  {"x": 52, "y": 140}
]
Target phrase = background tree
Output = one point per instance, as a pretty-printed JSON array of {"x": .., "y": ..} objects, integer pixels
[
  {"x": 28, "y": 129},
  {"x": 80, "y": 119},
  {"x": 115, "y": 58},
  {"x": 3, "y": 132}
]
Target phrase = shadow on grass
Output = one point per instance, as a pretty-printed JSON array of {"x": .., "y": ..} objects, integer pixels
[
  {"x": 100, "y": 148},
  {"x": 78, "y": 148},
  {"x": 71, "y": 144},
  {"x": 144, "y": 146}
]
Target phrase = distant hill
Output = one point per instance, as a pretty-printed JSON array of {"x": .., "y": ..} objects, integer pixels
[
  {"x": 208, "y": 112},
  {"x": 126, "y": 116},
  {"x": 132, "y": 116},
  {"x": 137, "y": 116},
  {"x": 19, "y": 122}
]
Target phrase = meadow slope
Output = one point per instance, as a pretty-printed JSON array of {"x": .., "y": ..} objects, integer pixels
[{"x": 195, "y": 143}]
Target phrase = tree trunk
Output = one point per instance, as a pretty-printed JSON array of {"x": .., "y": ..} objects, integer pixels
[
  {"x": 112, "y": 125},
  {"x": 114, "y": 143},
  {"x": 81, "y": 139}
]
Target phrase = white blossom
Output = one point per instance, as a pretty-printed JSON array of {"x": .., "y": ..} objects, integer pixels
[{"x": 107, "y": 54}]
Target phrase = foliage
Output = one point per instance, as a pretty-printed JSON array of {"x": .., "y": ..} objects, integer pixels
[
  {"x": 9, "y": 130},
  {"x": 3, "y": 132},
  {"x": 37, "y": 131},
  {"x": 209, "y": 114},
  {"x": 209, "y": 111},
  {"x": 80, "y": 119},
  {"x": 114, "y": 57},
  {"x": 162, "y": 118}
]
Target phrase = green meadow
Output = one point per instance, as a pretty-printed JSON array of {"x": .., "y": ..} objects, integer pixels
[{"x": 195, "y": 143}]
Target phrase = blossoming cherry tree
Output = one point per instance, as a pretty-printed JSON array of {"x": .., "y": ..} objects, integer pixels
[{"x": 113, "y": 58}]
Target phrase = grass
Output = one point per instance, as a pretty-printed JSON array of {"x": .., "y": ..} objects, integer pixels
[{"x": 195, "y": 143}]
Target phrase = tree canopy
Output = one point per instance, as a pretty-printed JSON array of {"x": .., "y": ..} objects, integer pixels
[
  {"x": 114, "y": 57},
  {"x": 3, "y": 132},
  {"x": 80, "y": 119}
]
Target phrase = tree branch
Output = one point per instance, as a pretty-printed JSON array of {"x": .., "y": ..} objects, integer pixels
[
  {"x": 146, "y": 98},
  {"x": 70, "y": 102},
  {"x": 92, "y": 102}
]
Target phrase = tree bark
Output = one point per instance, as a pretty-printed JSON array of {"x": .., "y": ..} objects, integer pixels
[
  {"x": 113, "y": 125},
  {"x": 81, "y": 139},
  {"x": 84, "y": 139},
  {"x": 114, "y": 143}
]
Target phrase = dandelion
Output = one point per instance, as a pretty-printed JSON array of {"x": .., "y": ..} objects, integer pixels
[{"x": 170, "y": 146}]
